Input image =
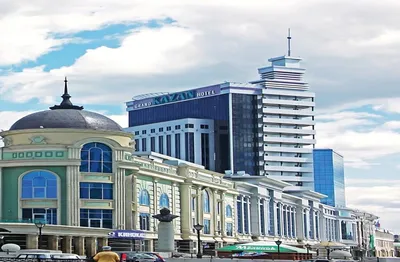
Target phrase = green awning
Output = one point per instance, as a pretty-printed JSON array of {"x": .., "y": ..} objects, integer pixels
[{"x": 267, "y": 247}]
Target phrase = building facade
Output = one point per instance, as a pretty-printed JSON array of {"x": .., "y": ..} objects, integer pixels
[
  {"x": 329, "y": 176},
  {"x": 384, "y": 243},
  {"x": 262, "y": 128}
]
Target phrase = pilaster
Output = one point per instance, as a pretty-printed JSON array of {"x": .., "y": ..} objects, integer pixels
[
  {"x": 275, "y": 210},
  {"x": 254, "y": 216},
  {"x": 294, "y": 216},
  {"x": 67, "y": 244},
  {"x": 91, "y": 247},
  {"x": 223, "y": 215},
  {"x": 80, "y": 246},
  {"x": 119, "y": 199},
  {"x": 52, "y": 242},
  {"x": 199, "y": 206},
  {"x": 130, "y": 201},
  {"x": 32, "y": 241},
  {"x": 73, "y": 205},
  {"x": 186, "y": 209}
]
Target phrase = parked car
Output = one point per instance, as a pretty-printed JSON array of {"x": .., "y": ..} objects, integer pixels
[
  {"x": 136, "y": 256},
  {"x": 156, "y": 256},
  {"x": 47, "y": 256}
]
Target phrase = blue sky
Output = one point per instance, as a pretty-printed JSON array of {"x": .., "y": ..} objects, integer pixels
[{"x": 113, "y": 51}]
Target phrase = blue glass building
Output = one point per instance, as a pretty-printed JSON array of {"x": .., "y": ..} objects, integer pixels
[{"x": 329, "y": 177}]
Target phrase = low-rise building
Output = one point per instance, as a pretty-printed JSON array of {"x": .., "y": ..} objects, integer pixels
[{"x": 384, "y": 243}]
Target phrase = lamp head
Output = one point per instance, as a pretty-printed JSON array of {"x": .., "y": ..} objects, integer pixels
[
  {"x": 198, "y": 227},
  {"x": 40, "y": 224},
  {"x": 308, "y": 246},
  {"x": 278, "y": 242}
]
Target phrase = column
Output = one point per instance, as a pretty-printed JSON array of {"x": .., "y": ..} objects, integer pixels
[
  {"x": 294, "y": 223},
  {"x": 281, "y": 220},
  {"x": 267, "y": 216},
  {"x": 52, "y": 242},
  {"x": 254, "y": 216},
  {"x": 131, "y": 201},
  {"x": 154, "y": 210},
  {"x": 199, "y": 205},
  {"x": 289, "y": 221},
  {"x": 67, "y": 244},
  {"x": 214, "y": 218},
  {"x": 307, "y": 223},
  {"x": 119, "y": 199},
  {"x": 91, "y": 247},
  {"x": 249, "y": 214},
  {"x": 102, "y": 242},
  {"x": 80, "y": 246},
  {"x": 173, "y": 204},
  {"x": 300, "y": 222},
  {"x": 186, "y": 209},
  {"x": 276, "y": 205},
  {"x": 73, "y": 207},
  {"x": 32, "y": 241},
  {"x": 314, "y": 217},
  {"x": 223, "y": 214}
]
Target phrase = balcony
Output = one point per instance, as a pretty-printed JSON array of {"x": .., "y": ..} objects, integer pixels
[
  {"x": 272, "y": 139},
  {"x": 293, "y": 131},
  {"x": 288, "y": 169},
  {"x": 288, "y": 149},
  {"x": 290, "y": 112},
  {"x": 298, "y": 122},
  {"x": 288, "y": 159},
  {"x": 298, "y": 103}
]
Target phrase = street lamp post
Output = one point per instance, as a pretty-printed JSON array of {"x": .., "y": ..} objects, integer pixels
[
  {"x": 278, "y": 243},
  {"x": 308, "y": 246},
  {"x": 40, "y": 225},
  {"x": 198, "y": 228}
]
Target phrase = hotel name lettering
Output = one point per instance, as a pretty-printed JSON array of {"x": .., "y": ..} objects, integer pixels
[{"x": 175, "y": 97}]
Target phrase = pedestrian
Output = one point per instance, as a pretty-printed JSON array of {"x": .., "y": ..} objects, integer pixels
[{"x": 106, "y": 255}]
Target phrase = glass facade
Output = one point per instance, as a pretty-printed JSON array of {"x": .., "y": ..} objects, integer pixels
[
  {"x": 39, "y": 184},
  {"x": 189, "y": 147},
  {"x": 47, "y": 214},
  {"x": 96, "y": 191},
  {"x": 169, "y": 148},
  {"x": 205, "y": 150},
  {"x": 244, "y": 121},
  {"x": 178, "y": 146},
  {"x": 96, "y": 157},
  {"x": 329, "y": 177},
  {"x": 101, "y": 218},
  {"x": 215, "y": 107}
]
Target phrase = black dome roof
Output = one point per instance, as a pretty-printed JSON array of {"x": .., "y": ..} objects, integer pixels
[{"x": 66, "y": 115}]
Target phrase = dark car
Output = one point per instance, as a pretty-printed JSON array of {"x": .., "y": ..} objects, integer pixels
[{"x": 156, "y": 256}]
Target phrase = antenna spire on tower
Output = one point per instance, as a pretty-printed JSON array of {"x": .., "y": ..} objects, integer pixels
[{"x": 289, "y": 38}]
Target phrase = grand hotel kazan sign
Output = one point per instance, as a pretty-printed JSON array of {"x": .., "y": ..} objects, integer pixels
[{"x": 176, "y": 97}]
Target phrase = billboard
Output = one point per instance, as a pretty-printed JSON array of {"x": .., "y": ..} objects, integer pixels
[{"x": 127, "y": 234}]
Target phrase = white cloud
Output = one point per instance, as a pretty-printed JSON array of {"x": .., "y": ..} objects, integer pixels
[
  {"x": 380, "y": 197},
  {"x": 360, "y": 137}
]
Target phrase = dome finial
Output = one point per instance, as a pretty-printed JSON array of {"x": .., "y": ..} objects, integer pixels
[{"x": 66, "y": 103}]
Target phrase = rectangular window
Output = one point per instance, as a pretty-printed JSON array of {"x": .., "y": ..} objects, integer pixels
[
  {"x": 193, "y": 204},
  {"x": 161, "y": 144},
  {"x": 278, "y": 218},
  {"x": 153, "y": 144},
  {"x": 47, "y": 215},
  {"x": 178, "y": 146},
  {"x": 153, "y": 130},
  {"x": 229, "y": 229},
  {"x": 205, "y": 150},
  {"x": 100, "y": 218},
  {"x": 96, "y": 191},
  {"x": 207, "y": 227},
  {"x": 137, "y": 145},
  {"x": 189, "y": 125},
  {"x": 144, "y": 221},
  {"x": 169, "y": 145},
  {"x": 189, "y": 147},
  {"x": 144, "y": 132},
  {"x": 144, "y": 147},
  {"x": 136, "y": 133},
  {"x": 168, "y": 128},
  {"x": 177, "y": 127},
  {"x": 204, "y": 126},
  {"x": 160, "y": 129}
]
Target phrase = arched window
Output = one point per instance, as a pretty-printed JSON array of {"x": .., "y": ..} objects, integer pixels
[
  {"x": 228, "y": 212},
  {"x": 144, "y": 198},
  {"x": 206, "y": 202},
  {"x": 39, "y": 184},
  {"x": 164, "y": 200},
  {"x": 96, "y": 157}
]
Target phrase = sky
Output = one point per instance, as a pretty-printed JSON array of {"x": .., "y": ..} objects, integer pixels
[{"x": 113, "y": 50}]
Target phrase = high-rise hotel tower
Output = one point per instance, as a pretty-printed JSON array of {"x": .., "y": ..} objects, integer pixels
[{"x": 261, "y": 128}]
